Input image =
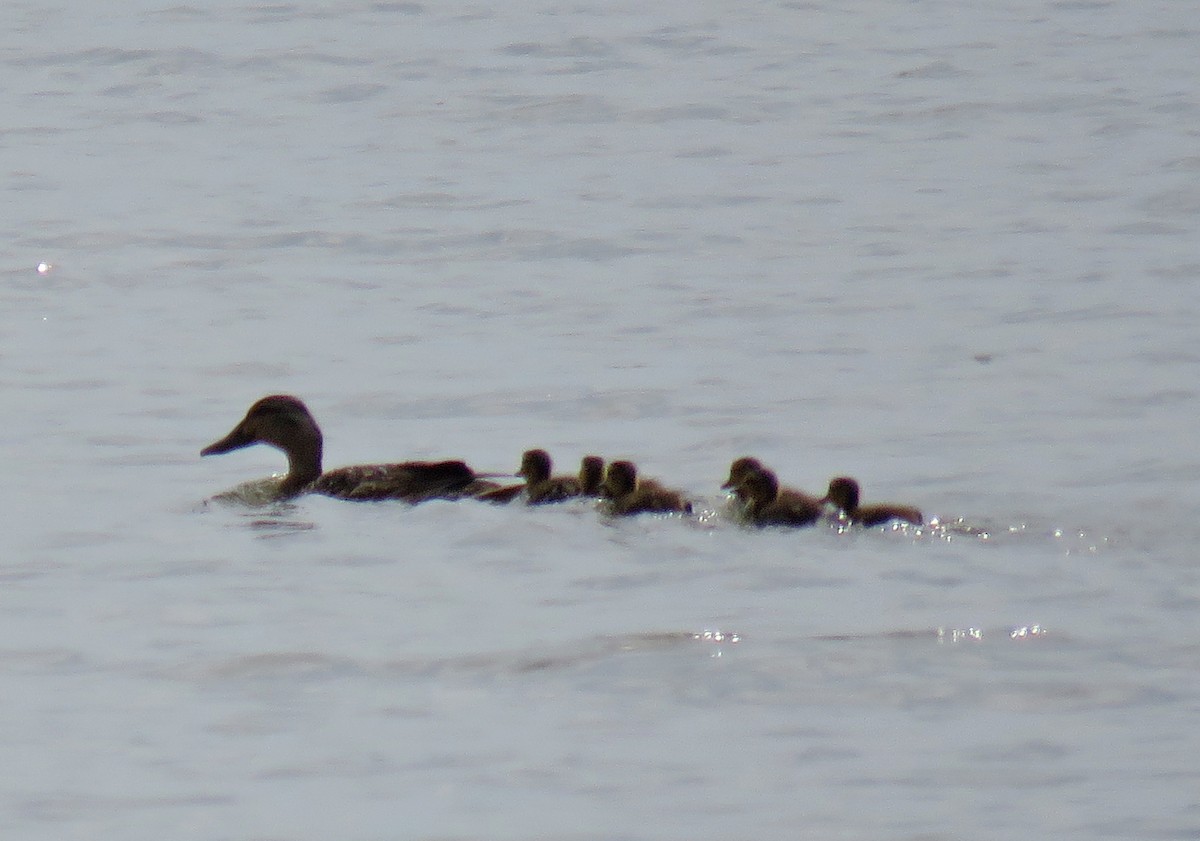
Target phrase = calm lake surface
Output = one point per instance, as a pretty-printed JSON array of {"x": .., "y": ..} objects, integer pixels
[{"x": 948, "y": 248}]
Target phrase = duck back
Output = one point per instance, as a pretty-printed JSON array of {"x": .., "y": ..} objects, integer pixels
[{"x": 410, "y": 481}]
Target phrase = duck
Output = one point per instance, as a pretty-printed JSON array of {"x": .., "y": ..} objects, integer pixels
[
  {"x": 843, "y": 493},
  {"x": 591, "y": 475},
  {"x": 768, "y": 505},
  {"x": 743, "y": 468},
  {"x": 540, "y": 486},
  {"x": 284, "y": 422},
  {"x": 627, "y": 494},
  {"x": 543, "y": 487}
]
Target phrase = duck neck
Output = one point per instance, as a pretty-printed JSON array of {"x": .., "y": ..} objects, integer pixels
[{"x": 304, "y": 467}]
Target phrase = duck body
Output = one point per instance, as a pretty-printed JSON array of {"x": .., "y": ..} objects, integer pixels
[
  {"x": 501, "y": 495},
  {"x": 284, "y": 422},
  {"x": 844, "y": 494},
  {"x": 412, "y": 481},
  {"x": 627, "y": 494},
  {"x": 877, "y": 515}
]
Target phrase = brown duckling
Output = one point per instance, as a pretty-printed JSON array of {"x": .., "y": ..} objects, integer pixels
[
  {"x": 844, "y": 492},
  {"x": 743, "y": 468},
  {"x": 543, "y": 487},
  {"x": 767, "y": 505},
  {"x": 285, "y": 423},
  {"x": 591, "y": 475},
  {"x": 630, "y": 495},
  {"x": 540, "y": 486}
]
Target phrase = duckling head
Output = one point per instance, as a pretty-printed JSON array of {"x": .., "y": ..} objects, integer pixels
[
  {"x": 535, "y": 466},
  {"x": 739, "y": 470},
  {"x": 843, "y": 492},
  {"x": 760, "y": 486},
  {"x": 619, "y": 479}
]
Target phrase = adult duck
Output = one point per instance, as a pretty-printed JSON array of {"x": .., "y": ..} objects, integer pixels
[
  {"x": 284, "y": 422},
  {"x": 627, "y": 494},
  {"x": 843, "y": 493}
]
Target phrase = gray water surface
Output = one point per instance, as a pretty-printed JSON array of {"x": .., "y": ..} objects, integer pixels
[{"x": 948, "y": 248}]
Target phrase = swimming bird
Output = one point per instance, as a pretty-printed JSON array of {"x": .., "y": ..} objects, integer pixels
[
  {"x": 844, "y": 492},
  {"x": 630, "y": 495},
  {"x": 591, "y": 475},
  {"x": 536, "y": 467},
  {"x": 540, "y": 486},
  {"x": 746, "y": 467},
  {"x": 768, "y": 505},
  {"x": 285, "y": 423}
]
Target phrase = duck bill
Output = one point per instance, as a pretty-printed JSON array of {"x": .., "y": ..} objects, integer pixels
[{"x": 233, "y": 441}]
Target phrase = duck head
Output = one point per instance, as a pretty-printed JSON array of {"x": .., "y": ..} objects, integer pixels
[
  {"x": 739, "y": 470},
  {"x": 843, "y": 493},
  {"x": 619, "y": 479},
  {"x": 535, "y": 466},
  {"x": 761, "y": 487},
  {"x": 283, "y": 422}
]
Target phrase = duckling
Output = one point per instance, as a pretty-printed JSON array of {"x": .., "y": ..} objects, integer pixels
[
  {"x": 540, "y": 486},
  {"x": 284, "y": 422},
  {"x": 591, "y": 475},
  {"x": 743, "y": 468},
  {"x": 536, "y": 467},
  {"x": 630, "y": 495},
  {"x": 844, "y": 492},
  {"x": 767, "y": 505}
]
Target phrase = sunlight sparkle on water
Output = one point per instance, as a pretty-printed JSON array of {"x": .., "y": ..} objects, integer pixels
[
  {"x": 955, "y": 635},
  {"x": 959, "y": 634},
  {"x": 717, "y": 637}
]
